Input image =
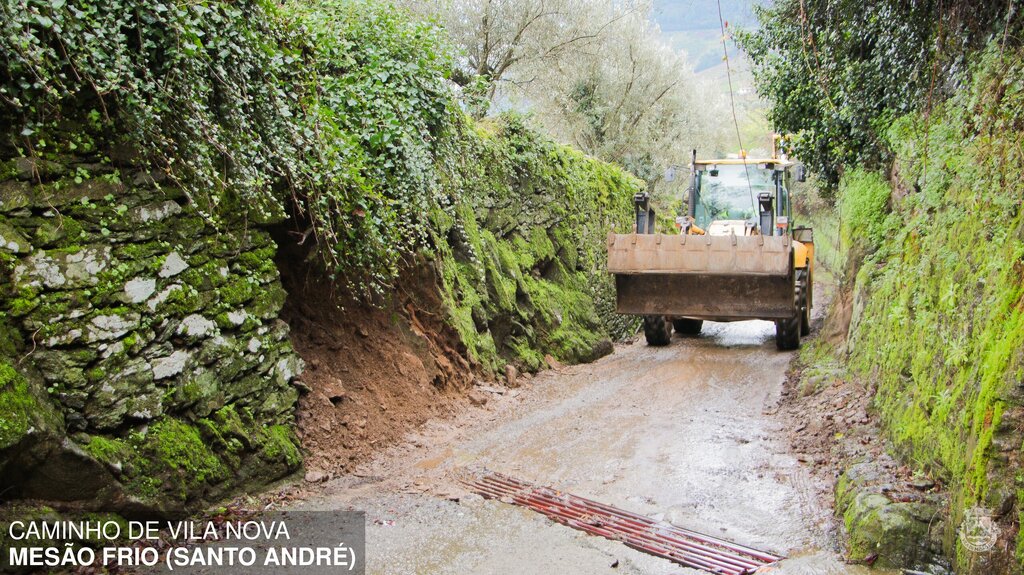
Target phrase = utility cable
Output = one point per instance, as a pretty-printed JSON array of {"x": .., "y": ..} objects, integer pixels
[{"x": 732, "y": 103}]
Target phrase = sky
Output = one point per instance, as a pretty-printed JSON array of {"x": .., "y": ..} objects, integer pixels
[
  {"x": 693, "y": 27},
  {"x": 677, "y": 15}
]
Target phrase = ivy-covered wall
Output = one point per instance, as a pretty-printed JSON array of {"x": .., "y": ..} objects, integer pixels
[
  {"x": 142, "y": 364},
  {"x": 937, "y": 257}
]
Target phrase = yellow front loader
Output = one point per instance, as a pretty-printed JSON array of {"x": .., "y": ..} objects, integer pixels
[{"x": 736, "y": 257}]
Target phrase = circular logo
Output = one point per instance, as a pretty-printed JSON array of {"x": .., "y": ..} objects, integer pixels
[{"x": 978, "y": 532}]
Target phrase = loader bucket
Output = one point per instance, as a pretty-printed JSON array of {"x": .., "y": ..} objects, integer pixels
[{"x": 720, "y": 278}]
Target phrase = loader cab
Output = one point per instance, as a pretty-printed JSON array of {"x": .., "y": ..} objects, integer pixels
[{"x": 740, "y": 196}]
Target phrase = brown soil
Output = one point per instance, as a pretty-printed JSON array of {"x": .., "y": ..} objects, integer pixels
[
  {"x": 373, "y": 374},
  {"x": 829, "y": 418}
]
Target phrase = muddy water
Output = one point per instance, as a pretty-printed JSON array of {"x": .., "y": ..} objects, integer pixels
[{"x": 678, "y": 433}]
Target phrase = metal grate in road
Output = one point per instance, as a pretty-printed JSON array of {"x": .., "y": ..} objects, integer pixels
[{"x": 642, "y": 533}]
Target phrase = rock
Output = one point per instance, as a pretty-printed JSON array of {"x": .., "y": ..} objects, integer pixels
[
  {"x": 62, "y": 269},
  {"x": 333, "y": 390},
  {"x": 301, "y": 386},
  {"x": 173, "y": 265},
  {"x": 117, "y": 346},
  {"x": 878, "y": 526},
  {"x": 64, "y": 337},
  {"x": 600, "y": 349},
  {"x": 123, "y": 391},
  {"x": 159, "y": 298},
  {"x": 922, "y": 483},
  {"x": 238, "y": 317},
  {"x": 13, "y": 241},
  {"x": 898, "y": 533},
  {"x": 511, "y": 375},
  {"x": 196, "y": 326},
  {"x": 111, "y": 327},
  {"x": 491, "y": 389},
  {"x": 144, "y": 178},
  {"x": 15, "y": 196},
  {"x": 81, "y": 268},
  {"x": 32, "y": 430},
  {"x": 477, "y": 398},
  {"x": 315, "y": 477},
  {"x": 154, "y": 212},
  {"x": 36, "y": 169},
  {"x": 479, "y": 319},
  {"x": 138, "y": 290},
  {"x": 287, "y": 368},
  {"x": 164, "y": 367},
  {"x": 71, "y": 474},
  {"x": 552, "y": 362}
]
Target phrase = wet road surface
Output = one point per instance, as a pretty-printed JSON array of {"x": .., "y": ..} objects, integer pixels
[{"x": 679, "y": 433}]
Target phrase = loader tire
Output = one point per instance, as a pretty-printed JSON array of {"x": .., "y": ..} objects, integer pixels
[
  {"x": 657, "y": 330},
  {"x": 686, "y": 326},
  {"x": 805, "y": 320},
  {"x": 803, "y": 285},
  {"x": 787, "y": 333}
]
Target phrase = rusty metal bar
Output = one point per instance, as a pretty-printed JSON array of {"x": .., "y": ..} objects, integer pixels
[
  {"x": 639, "y": 532},
  {"x": 648, "y": 530},
  {"x": 653, "y": 547},
  {"x": 647, "y": 521}
]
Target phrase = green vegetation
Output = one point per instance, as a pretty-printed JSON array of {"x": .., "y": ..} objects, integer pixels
[
  {"x": 280, "y": 444},
  {"x": 178, "y": 448},
  {"x": 186, "y": 460},
  {"x": 946, "y": 383},
  {"x": 933, "y": 258},
  {"x": 336, "y": 111},
  {"x": 837, "y": 74},
  {"x": 522, "y": 259},
  {"x": 108, "y": 451},
  {"x": 341, "y": 106},
  {"x": 16, "y": 406},
  {"x": 911, "y": 115},
  {"x": 863, "y": 205}
]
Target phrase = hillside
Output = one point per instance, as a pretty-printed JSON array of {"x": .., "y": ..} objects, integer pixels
[{"x": 921, "y": 182}]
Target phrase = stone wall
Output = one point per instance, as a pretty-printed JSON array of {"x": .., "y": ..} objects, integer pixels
[{"x": 142, "y": 362}]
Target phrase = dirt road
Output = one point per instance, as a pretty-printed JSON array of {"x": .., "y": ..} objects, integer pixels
[{"x": 682, "y": 433}]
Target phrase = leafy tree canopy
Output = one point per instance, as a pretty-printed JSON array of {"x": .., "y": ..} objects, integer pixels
[{"x": 837, "y": 74}]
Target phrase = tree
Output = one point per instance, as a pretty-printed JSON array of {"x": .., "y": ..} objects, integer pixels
[
  {"x": 507, "y": 41},
  {"x": 836, "y": 74},
  {"x": 592, "y": 73},
  {"x": 635, "y": 102}
]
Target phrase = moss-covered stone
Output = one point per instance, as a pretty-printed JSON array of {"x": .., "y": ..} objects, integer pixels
[
  {"x": 933, "y": 260},
  {"x": 280, "y": 444},
  {"x": 17, "y": 406},
  {"x": 522, "y": 274},
  {"x": 117, "y": 302},
  {"x": 887, "y": 533},
  {"x": 176, "y": 455}
]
